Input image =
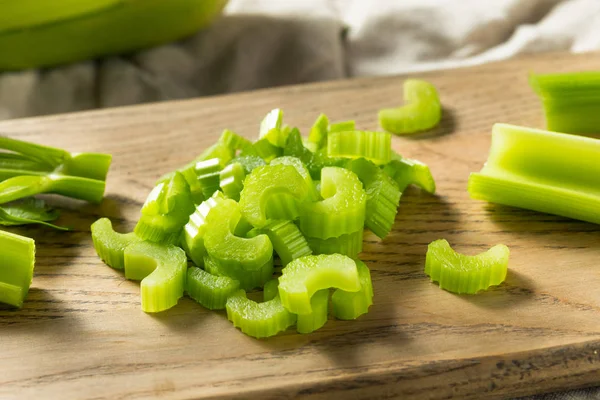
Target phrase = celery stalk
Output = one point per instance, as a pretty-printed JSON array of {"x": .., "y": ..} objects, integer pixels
[{"x": 16, "y": 267}]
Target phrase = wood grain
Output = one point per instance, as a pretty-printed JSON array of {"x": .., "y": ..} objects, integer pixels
[{"x": 81, "y": 333}]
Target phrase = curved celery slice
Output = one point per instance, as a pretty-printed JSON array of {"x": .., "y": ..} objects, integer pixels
[
  {"x": 343, "y": 126},
  {"x": 162, "y": 270},
  {"x": 349, "y": 244},
  {"x": 343, "y": 209},
  {"x": 230, "y": 250},
  {"x": 208, "y": 173},
  {"x": 270, "y": 127},
  {"x": 109, "y": 244},
  {"x": 318, "y": 132},
  {"x": 406, "y": 171},
  {"x": 274, "y": 191},
  {"x": 422, "y": 109},
  {"x": 351, "y": 305},
  {"x": 16, "y": 267},
  {"x": 234, "y": 142},
  {"x": 287, "y": 240},
  {"x": 305, "y": 276},
  {"x": 374, "y": 146},
  {"x": 459, "y": 273},
  {"x": 249, "y": 163},
  {"x": 166, "y": 211},
  {"x": 266, "y": 150},
  {"x": 258, "y": 320},
  {"x": 209, "y": 290},
  {"x": 248, "y": 279},
  {"x": 232, "y": 180},
  {"x": 302, "y": 170}
]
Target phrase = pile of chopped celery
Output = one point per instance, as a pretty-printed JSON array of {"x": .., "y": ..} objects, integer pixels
[{"x": 241, "y": 209}]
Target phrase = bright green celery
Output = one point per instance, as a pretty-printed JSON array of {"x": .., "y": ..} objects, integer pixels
[
  {"x": 16, "y": 188},
  {"x": 166, "y": 211},
  {"x": 422, "y": 109},
  {"x": 232, "y": 180},
  {"x": 209, "y": 290},
  {"x": 209, "y": 173},
  {"x": 258, "y": 320},
  {"x": 248, "y": 279},
  {"x": 570, "y": 100},
  {"x": 351, "y": 305},
  {"x": 318, "y": 132},
  {"x": 302, "y": 170},
  {"x": 287, "y": 240},
  {"x": 110, "y": 245},
  {"x": 29, "y": 211},
  {"x": 249, "y": 163},
  {"x": 305, "y": 276},
  {"x": 162, "y": 270},
  {"x": 544, "y": 171},
  {"x": 343, "y": 209},
  {"x": 273, "y": 192},
  {"x": 374, "y": 146},
  {"x": 266, "y": 150},
  {"x": 270, "y": 127},
  {"x": 343, "y": 126},
  {"x": 234, "y": 142},
  {"x": 406, "y": 171},
  {"x": 16, "y": 267},
  {"x": 349, "y": 244},
  {"x": 459, "y": 273},
  {"x": 383, "y": 196}
]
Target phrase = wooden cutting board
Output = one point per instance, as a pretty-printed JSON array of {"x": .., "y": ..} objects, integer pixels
[{"x": 81, "y": 333}]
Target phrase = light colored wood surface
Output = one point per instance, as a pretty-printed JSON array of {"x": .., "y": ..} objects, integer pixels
[{"x": 81, "y": 333}]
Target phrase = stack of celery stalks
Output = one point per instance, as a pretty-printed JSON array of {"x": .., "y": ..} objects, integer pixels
[{"x": 285, "y": 214}]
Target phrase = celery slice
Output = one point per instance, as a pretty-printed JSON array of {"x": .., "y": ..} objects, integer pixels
[
  {"x": 208, "y": 173},
  {"x": 209, "y": 290},
  {"x": 109, "y": 244},
  {"x": 305, "y": 276},
  {"x": 249, "y": 163},
  {"x": 351, "y": 305},
  {"x": 162, "y": 270},
  {"x": 406, "y": 171},
  {"x": 459, "y": 273},
  {"x": 232, "y": 180},
  {"x": 343, "y": 126},
  {"x": 16, "y": 267},
  {"x": 287, "y": 240},
  {"x": 270, "y": 127},
  {"x": 248, "y": 279},
  {"x": 302, "y": 170},
  {"x": 374, "y": 146},
  {"x": 219, "y": 150},
  {"x": 271, "y": 289},
  {"x": 540, "y": 170},
  {"x": 349, "y": 244},
  {"x": 266, "y": 150},
  {"x": 318, "y": 132},
  {"x": 422, "y": 109},
  {"x": 343, "y": 209},
  {"x": 234, "y": 142}
]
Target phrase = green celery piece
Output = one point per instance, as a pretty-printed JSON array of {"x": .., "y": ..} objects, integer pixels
[
  {"x": 374, "y": 146},
  {"x": 422, "y": 109},
  {"x": 343, "y": 126},
  {"x": 166, "y": 211},
  {"x": 29, "y": 211},
  {"x": 318, "y": 132},
  {"x": 258, "y": 320},
  {"x": 287, "y": 240},
  {"x": 459, "y": 273},
  {"x": 273, "y": 192},
  {"x": 248, "y": 279},
  {"x": 249, "y": 163},
  {"x": 110, "y": 245},
  {"x": 189, "y": 173},
  {"x": 277, "y": 137},
  {"x": 294, "y": 147},
  {"x": 209, "y": 173},
  {"x": 234, "y": 142},
  {"x": 271, "y": 126},
  {"x": 209, "y": 290},
  {"x": 343, "y": 209},
  {"x": 162, "y": 270},
  {"x": 266, "y": 150},
  {"x": 86, "y": 165},
  {"x": 250, "y": 254},
  {"x": 305, "y": 276},
  {"x": 349, "y": 244},
  {"x": 232, "y": 180},
  {"x": 271, "y": 289},
  {"x": 14, "y": 164},
  {"x": 16, "y": 267},
  {"x": 219, "y": 150},
  {"x": 302, "y": 170},
  {"x": 351, "y": 305},
  {"x": 539, "y": 170},
  {"x": 406, "y": 171},
  {"x": 316, "y": 161},
  {"x": 19, "y": 187}
]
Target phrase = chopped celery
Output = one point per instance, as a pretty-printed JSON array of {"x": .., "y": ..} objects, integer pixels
[
  {"x": 544, "y": 171},
  {"x": 111, "y": 245},
  {"x": 162, "y": 270},
  {"x": 343, "y": 209},
  {"x": 302, "y": 170},
  {"x": 249, "y": 162},
  {"x": 234, "y": 142},
  {"x": 266, "y": 150},
  {"x": 374, "y": 146},
  {"x": 270, "y": 127},
  {"x": 258, "y": 320},
  {"x": 343, "y": 126},
  {"x": 16, "y": 267},
  {"x": 248, "y": 279},
  {"x": 422, "y": 109},
  {"x": 219, "y": 150},
  {"x": 28, "y": 211},
  {"x": 295, "y": 147},
  {"x": 459, "y": 273},
  {"x": 286, "y": 238},
  {"x": 208, "y": 173},
  {"x": 271, "y": 289},
  {"x": 406, "y": 171},
  {"x": 318, "y": 132},
  {"x": 232, "y": 180},
  {"x": 349, "y": 244},
  {"x": 305, "y": 276},
  {"x": 209, "y": 290},
  {"x": 351, "y": 305}
]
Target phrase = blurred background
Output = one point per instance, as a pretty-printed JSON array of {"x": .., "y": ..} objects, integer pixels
[{"x": 70, "y": 55}]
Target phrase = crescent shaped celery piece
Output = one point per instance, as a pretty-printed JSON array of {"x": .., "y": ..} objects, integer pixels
[
  {"x": 305, "y": 276},
  {"x": 406, "y": 171},
  {"x": 287, "y": 240},
  {"x": 162, "y": 270},
  {"x": 374, "y": 146},
  {"x": 166, "y": 211},
  {"x": 343, "y": 209},
  {"x": 422, "y": 109},
  {"x": 110, "y": 245},
  {"x": 302, "y": 170},
  {"x": 231, "y": 180},
  {"x": 249, "y": 163},
  {"x": 248, "y": 279},
  {"x": 318, "y": 132},
  {"x": 351, "y": 305},
  {"x": 343, "y": 126},
  {"x": 459, "y": 273},
  {"x": 550, "y": 172},
  {"x": 265, "y": 150},
  {"x": 258, "y": 320},
  {"x": 234, "y": 142},
  {"x": 16, "y": 267},
  {"x": 270, "y": 127},
  {"x": 273, "y": 192},
  {"x": 209, "y": 290},
  {"x": 249, "y": 254},
  {"x": 349, "y": 244}
]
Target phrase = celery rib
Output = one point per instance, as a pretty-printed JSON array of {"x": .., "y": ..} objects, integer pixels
[{"x": 16, "y": 267}]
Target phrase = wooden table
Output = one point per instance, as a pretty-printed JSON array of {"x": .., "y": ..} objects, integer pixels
[{"x": 81, "y": 333}]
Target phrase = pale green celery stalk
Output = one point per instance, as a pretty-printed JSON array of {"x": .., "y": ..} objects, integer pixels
[
  {"x": 544, "y": 171},
  {"x": 16, "y": 267},
  {"x": 28, "y": 185}
]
